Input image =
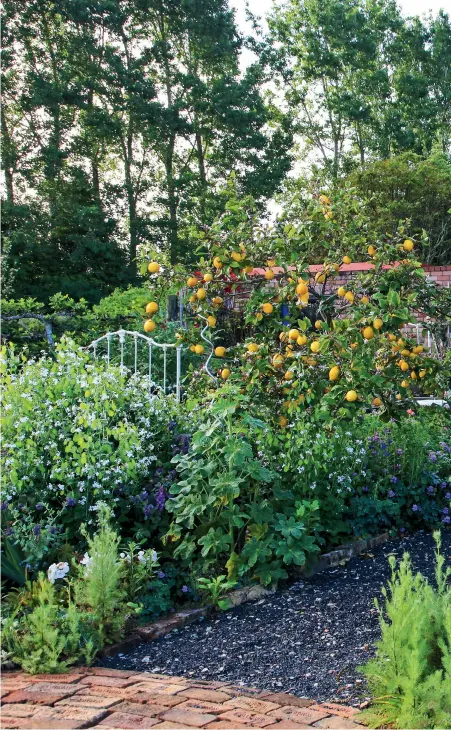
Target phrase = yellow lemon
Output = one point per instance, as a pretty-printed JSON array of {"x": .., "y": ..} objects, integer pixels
[
  {"x": 293, "y": 334},
  {"x": 220, "y": 351},
  {"x": 320, "y": 277},
  {"x": 193, "y": 298},
  {"x": 201, "y": 293},
  {"x": 192, "y": 348},
  {"x": 364, "y": 300},
  {"x": 211, "y": 320},
  {"x": 271, "y": 262},
  {"x": 392, "y": 338},
  {"x": 377, "y": 402},
  {"x": 301, "y": 340},
  {"x": 315, "y": 346},
  {"x": 192, "y": 281},
  {"x": 318, "y": 324},
  {"x": 398, "y": 396},
  {"x": 408, "y": 245},
  {"x": 351, "y": 396},
  {"x": 153, "y": 267},
  {"x": 422, "y": 373},
  {"x": 259, "y": 316},
  {"x": 269, "y": 274},
  {"x": 368, "y": 333},
  {"x": 349, "y": 296},
  {"x": 341, "y": 291},
  {"x": 304, "y": 297},
  {"x": 217, "y": 301},
  {"x": 149, "y": 325},
  {"x": 378, "y": 323},
  {"x": 283, "y": 337},
  {"x": 151, "y": 308},
  {"x": 277, "y": 361},
  {"x": 403, "y": 365},
  {"x": 371, "y": 250},
  {"x": 199, "y": 349},
  {"x": 225, "y": 373},
  {"x": 267, "y": 308},
  {"x": 417, "y": 349},
  {"x": 253, "y": 347},
  {"x": 208, "y": 277},
  {"x": 347, "y": 260},
  {"x": 236, "y": 256},
  {"x": 413, "y": 375},
  {"x": 405, "y": 384},
  {"x": 289, "y": 375},
  {"x": 334, "y": 373},
  {"x": 302, "y": 287},
  {"x": 248, "y": 269},
  {"x": 324, "y": 200},
  {"x": 217, "y": 263}
]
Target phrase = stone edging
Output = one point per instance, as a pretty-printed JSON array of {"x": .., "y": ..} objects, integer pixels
[{"x": 161, "y": 627}]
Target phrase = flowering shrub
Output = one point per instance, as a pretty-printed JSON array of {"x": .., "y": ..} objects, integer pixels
[{"x": 76, "y": 432}]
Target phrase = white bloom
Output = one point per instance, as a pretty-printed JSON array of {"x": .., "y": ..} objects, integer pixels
[
  {"x": 86, "y": 561},
  {"x": 57, "y": 570}
]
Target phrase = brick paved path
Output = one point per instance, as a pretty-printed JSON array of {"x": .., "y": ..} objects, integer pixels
[{"x": 110, "y": 698}]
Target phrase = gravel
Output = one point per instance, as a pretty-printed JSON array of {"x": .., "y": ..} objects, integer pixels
[{"x": 308, "y": 639}]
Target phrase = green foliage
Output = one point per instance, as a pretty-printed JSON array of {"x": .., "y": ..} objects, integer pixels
[
  {"x": 76, "y": 432},
  {"x": 408, "y": 186},
  {"x": 215, "y": 588},
  {"x": 101, "y": 590},
  {"x": 229, "y": 509},
  {"x": 410, "y": 676},
  {"x": 46, "y": 636}
]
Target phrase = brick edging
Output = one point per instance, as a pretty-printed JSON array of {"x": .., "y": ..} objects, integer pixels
[{"x": 161, "y": 627}]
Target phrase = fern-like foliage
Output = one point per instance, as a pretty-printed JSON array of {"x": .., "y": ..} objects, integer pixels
[{"x": 411, "y": 674}]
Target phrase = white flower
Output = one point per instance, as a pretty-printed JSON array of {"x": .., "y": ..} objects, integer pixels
[
  {"x": 57, "y": 570},
  {"x": 154, "y": 556},
  {"x": 87, "y": 562}
]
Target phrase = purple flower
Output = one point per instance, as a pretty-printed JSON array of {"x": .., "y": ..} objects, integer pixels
[
  {"x": 443, "y": 485},
  {"x": 148, "y": 509},
  {"x": 391, "y": 493},
  {"x": 399, "y": 451},
  {"x": 70, "y": 502},
  {"x": 37, "y": 530},
  {"x": 402, "y": 529},
  {"x": 394, "y": 480},
  {"x": 161, "y": 575},
  {"x": 172, "y": 425},
  {"x": 415, "y": 508},
  {"x": 144, "y": 496},
  {"x": 39, "y": 506},
  {"x": 430, "y": 490},
  {"x": 445, "y": 510},
  {"x": 432, "y": 456},
  {"x": 365, "y": 489},
  {"x": 160, "y": 499},
  {"x": 447, "y": 495},
  {"x": 4, "y": 506},
  {"x": 185, "y": 589},
  {"x": 446, "y": 520}
]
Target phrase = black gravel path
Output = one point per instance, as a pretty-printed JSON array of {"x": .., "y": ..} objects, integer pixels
[{"x": 308, "y": 639}]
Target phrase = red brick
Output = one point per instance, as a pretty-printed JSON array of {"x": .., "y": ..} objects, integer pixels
[
  {"x": 286, "y": 699},
  {"x": 39, "y": 698},
  {"x": 105, "y": 672},
  {"x": 208, "y": 685},
  {"x": 83, "y": 700},
  {"x": 172, "y": 689},
  {"x": 288, "y": 724},
  {"x": 54, "y": 724},
  {"x": 252, "y": 704},
  {"x": 128, "y": 722},
  {"x": 155, "y": 698},
  {"x": 52, "y": 688},
  {"x": 166, "y": 724},
  {"x": 57, "y": 678},
  {"x": 223, "y": 725},
  {"x": 131, "y": 708},
  {"x": 150, "y": 685},
  {"x": 335, "y": 709},
  {"x": 93, "y": 691},
  {"x": 108, "y": 681},
  {"x": 235, "y": 690},
  {"x": 188, "y": 718},
  {"x": 337, "y": 723},
  {"x": 22, "y": 710},
  {"x": 201, "y": 706},
  {"x": 206, "y": 695},
  {"x": 14, "y": 722},
  {"x": 299, "y": 714},
  {"x": 243, "y": 717}
]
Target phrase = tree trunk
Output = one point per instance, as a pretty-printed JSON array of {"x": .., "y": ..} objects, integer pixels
[
  {"x": 172, "y": 203},
  {"x": 8, "y": 158}
]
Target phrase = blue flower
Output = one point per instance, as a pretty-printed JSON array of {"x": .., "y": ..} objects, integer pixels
[
  {"x": 39, "y": 506},
  {"x": 185, "y": 589},
  {"x": 430, "y": 490},
  {"x": 394, "y": 480},
  {"x": 448, "y": 495},
  {"x": 391, "y": 493},
  {"x": 415, "y": 508},
  {"x": 70, "y": 502},
  {"x": 446, "y": 520},
  {"x": 445, "y": 510},
  {"x": 4, "y": 506},
  {"x": 161, "y": 575},
  {"x": 37, "y": 530}
]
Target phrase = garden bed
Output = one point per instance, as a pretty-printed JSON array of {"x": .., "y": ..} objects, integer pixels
[{"x": 308, "y": 639}]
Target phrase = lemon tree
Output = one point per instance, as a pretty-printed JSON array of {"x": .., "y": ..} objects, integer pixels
[{"x": 313, "y": 347}]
